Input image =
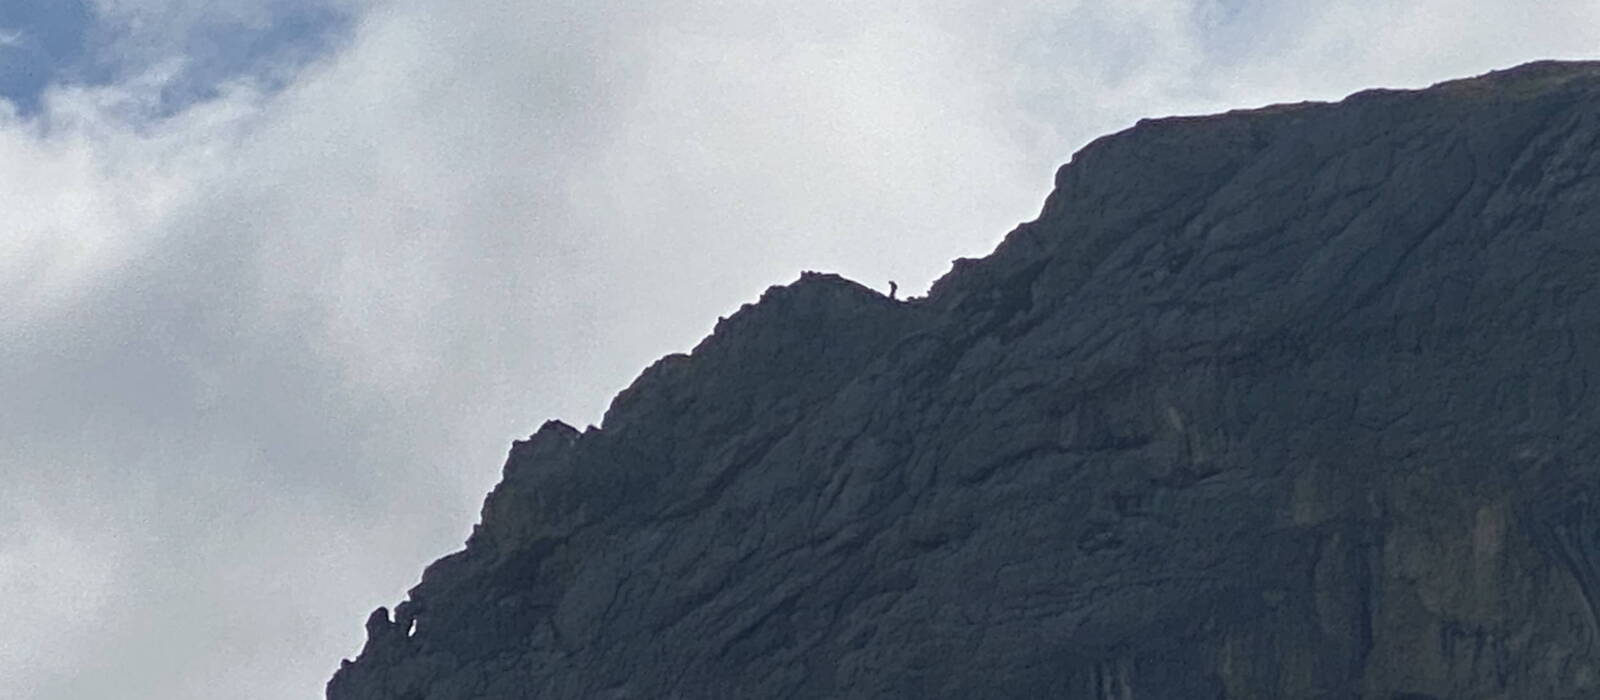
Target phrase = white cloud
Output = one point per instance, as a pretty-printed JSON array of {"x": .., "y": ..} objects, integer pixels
[
  {"x": 12, "y": 38},
  {"x": 62, "y": 571},
  {"x": 85, "y": 190},
  {"x": 276, "y": 344}
]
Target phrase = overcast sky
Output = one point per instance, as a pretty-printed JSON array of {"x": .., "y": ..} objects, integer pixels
[{"x": 283, "y": 278}]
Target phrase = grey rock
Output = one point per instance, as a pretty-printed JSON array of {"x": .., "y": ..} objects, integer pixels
[{"x": 1297, "y": 402}]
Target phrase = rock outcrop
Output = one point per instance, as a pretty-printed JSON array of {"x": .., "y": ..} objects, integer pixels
[{"x": 1297, "y": 402}]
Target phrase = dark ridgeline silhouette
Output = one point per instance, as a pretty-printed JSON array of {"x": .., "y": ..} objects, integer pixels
[{"x": 1296, "y": 402}]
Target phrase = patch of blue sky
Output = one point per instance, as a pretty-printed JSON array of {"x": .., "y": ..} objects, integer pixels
[
  {"x": 44, "y": 43},
  {"x": 41, "y": 42}
]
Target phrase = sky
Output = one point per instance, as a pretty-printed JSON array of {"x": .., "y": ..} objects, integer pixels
[{"x": 284, "y": 278}]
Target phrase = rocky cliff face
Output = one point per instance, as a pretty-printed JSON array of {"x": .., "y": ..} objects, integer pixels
[{"x": 1297, "y": 402}]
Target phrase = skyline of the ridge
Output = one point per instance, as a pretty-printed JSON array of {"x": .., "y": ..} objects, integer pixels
[{"x": 287, "y": 276}]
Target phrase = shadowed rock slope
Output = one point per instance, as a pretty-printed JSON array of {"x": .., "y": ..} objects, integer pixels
[{"x": 1297, "y": 402}]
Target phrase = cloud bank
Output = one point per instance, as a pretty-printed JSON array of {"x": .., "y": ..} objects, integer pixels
[{"x": 265, "y": 345}]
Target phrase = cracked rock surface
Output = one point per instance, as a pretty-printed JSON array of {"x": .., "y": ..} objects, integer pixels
[{"x": 1296, "y": 402}]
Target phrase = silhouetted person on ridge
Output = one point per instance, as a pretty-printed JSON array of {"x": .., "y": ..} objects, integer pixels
[{"x": 892, "y": 289}]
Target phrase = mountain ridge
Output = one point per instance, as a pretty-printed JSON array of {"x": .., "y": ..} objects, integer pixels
[{"x": 1283, "y": 402}]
